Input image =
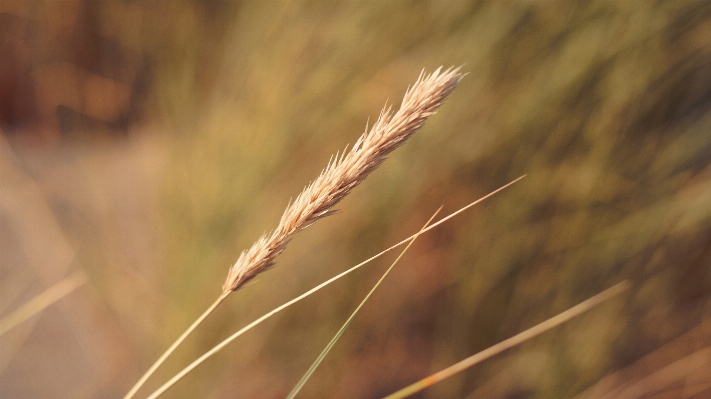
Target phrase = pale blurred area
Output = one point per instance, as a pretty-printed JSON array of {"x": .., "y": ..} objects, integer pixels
[{"x": 147, "y": 143}]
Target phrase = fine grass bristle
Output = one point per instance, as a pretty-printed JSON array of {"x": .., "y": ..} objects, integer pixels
[{"x": 42, "y": 301}]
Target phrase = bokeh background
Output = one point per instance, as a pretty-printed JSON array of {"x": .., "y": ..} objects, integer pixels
[{"x": 146, "y": 143}]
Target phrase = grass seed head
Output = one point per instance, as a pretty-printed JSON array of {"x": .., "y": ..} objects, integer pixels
[{"x": 346, "y": 171}]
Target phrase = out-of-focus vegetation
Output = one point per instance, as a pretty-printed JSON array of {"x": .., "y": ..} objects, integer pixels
[{"x": 148, "y": 143}]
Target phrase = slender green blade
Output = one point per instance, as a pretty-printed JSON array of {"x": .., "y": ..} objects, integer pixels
[{"x": 328, "y": 347}]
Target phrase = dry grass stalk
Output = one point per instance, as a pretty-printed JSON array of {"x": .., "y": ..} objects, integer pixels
[
  {"x": 217, "y": 348},
  {"x": 295, "y": 391},
  {"x": 517, "y": 339},
  {"x": 346, "y": 171},
  {"x": 341, "y": 175},
  {"x": 224, "y": 343}
]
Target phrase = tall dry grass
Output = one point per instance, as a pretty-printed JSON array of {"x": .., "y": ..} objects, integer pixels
[
  {"x": 346, "y": 171},
  {"x": 217, "y": 348},
  {"x": 604, "y": 103},
  {"x": 343, "y": 173}
]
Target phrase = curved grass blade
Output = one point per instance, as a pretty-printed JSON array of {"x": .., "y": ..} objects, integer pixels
[
  {"x": 342, "y": 174},
  {"x": 42, "y": 301},
  {"x": 328, "y": 347},
  {"x": 511, "y": 342},
  {"x": 175, "y": 345}
]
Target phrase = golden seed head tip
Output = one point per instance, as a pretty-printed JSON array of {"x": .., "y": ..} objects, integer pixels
[{"x": 346, "y": 170}]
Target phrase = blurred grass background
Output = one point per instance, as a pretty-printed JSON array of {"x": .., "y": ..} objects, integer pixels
[{"x": 148, "y": 143}]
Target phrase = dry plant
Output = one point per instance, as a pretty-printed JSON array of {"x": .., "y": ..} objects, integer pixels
[
  {"x": 426, "y": 382},
  {"x": 347, "y": 171},
  {"x": 341, "y": 175},
  {"x": 217, "y": 348},
  {"x": 42, "y": 301},
  {"x": 517, "y": 339}
]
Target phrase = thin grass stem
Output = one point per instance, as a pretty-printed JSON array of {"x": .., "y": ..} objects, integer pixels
[
  {"x": 511, "y": 342},
  {"x": 328, "y": 347},
  {"x": 42, "y": 301},
  {"x": 278, "y": 309},
  {"x": 343, "y": 173},
  {"x": 175, "y": 344}
]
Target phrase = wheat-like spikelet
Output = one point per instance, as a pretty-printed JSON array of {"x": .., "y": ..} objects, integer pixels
[
  {"x": 347, "y": 171},
  {"x": 318, "y": 199}
]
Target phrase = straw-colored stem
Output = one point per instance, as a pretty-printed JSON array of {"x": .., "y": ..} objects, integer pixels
[
  {"x": 342, "y": 174},
  {"x": 274, "y": 311},
  {"x": 175, "y": 344},
  {"x": 511, "y": 342},
  {"x": 42, "y": 301},
  {"x": 328, "y": 347}
]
